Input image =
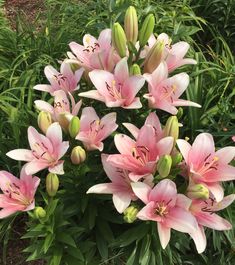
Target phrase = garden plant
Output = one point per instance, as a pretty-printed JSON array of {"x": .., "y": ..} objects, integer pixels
[{"x": 117, "y": 135}]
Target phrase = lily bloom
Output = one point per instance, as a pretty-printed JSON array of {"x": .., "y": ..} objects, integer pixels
[
  {"x": 61, "y": 111},
  {"x": 94, "y": 53},
  {"x": 18, "y": 194},
  {"x": 120, "y": 186},
  {"x": 94, "y": 130},
  {"x": 45, "y": 151},
  {"x": 118, "y": 89},
  {"x": 166, "y": 207},
  {"x": 65, "y": 80},
  {"x": 173, "y": 54},
  {"x": 164, "y": 92},
  {"x": 151, "y": 120},
  {"x": 205, "y": 165},
  {"x": 140, "y": 156},
  {"x": 204, "y": 212}
]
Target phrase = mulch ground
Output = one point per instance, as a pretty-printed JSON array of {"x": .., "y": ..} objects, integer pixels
[{"x": 29, "y": 9}]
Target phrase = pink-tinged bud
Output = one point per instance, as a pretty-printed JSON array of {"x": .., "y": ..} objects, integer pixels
[
  {"x": 52, "y": 184},
  {"x": 74, "y": 126},
  {"x": 44, "y": 121},
  {"x": 64, "y": 120},
  {"x": 198, "y": 191},
  {"x": 172, "y": 128},
  {"x": 135, "y": 69},
  {"x": 39, "y": 213},
  {"x": 131, "y": 25},
  {"x": 146, "y": 30},
  {"x": 154, "y": 57},
  {"x": 78, "y": 155},
  {"x": 164, "y": 166},
  {"x": 130, "y": 214},
  {"x": 119, "y": 39}
]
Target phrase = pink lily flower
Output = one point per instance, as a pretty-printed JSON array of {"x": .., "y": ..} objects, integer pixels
[
  {"x": 94, "y": 130},
  {"x": 120, "y": 185},
  {"x": 94, "y": 54},
  {"x": 61, "y": 111},
  {"x": 118, "y": 89},
  {"x": 173, "y": 54},
  {"x": 151, "y": 120},
  {"x": 205, "y": 165},
  {"x": 166, "y": 207},
  {"x": 18, "y": 194},
  {"x": 140, "y": 156},
  {"x": 45, "y": 151},
  {"x": 66, "y": 80},
  {"x": 204, "y": 212},
  {"x": 164, "y": 92}
]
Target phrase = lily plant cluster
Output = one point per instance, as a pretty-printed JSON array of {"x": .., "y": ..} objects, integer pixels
[{"x": 130, "y": 69}]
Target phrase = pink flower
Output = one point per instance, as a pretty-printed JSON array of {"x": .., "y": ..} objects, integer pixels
[
  {"x": 204, "y": 211},
  {"x": 166, "y": 207},
  {"x": 164, "y": 92},
  {"x": 207, "y": 166},
  {"x": 18, "y": 194},
  {"x": 94, "y": 54},
  {"x": 151, "y": 120},
  {"x": 118, "y": 89},
  {"x": 94, "y": 130},
  {"x": 61, "y": 108},
  {"x": 140, "y": 156},
  {"x": 173, "y": 54},
  {"x": 65, "y": 80},
  {"x": 45, "y": 151},
  {"x": 120, "y": 186},
  {"x": 233, "y": 138}
]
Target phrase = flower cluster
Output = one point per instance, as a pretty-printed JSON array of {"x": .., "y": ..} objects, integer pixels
[{"x": 145, "y": 170}]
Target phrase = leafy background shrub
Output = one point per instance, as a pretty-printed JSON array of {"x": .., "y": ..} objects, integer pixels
[{"x": 73, "y": 233}]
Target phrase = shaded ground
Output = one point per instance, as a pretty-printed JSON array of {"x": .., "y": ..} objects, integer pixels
[{"x": 30, "y": 8}]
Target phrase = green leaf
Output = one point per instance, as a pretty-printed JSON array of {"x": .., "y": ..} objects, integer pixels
[
  {"x": 67, "y": 239},
  {"x": 102, "y": 245},
  {"x": 75, "y": 252},
  {"x": 48, "y": 242},
  {"x": 57, "y": 256}
]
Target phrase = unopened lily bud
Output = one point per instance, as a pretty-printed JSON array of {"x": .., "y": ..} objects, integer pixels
[
  {"x": 119, "y": 39},
  {"x": 131, "y": 25},
  {"x": 172, "y": 128},
  {"x": 64, "y": 120},
  {"x": 74, "y": 126},
  {"x": 180, "y": 113},
  {"x": 78, "y": 155},
  {"x": 44, "y": 121},
  {"x": 176, "y": 159},
  {"x": 130, "y": 214},
  {"x": 198, "y": 191},
  {"x": 39, "y": 213},
  {"x": 164, "y": 165},
  {"x": 146, "y": 29},
  {"x": 52, "y": 184},
  {"x": 154, "y": 57},
  {"x": 135, "y": 69}
]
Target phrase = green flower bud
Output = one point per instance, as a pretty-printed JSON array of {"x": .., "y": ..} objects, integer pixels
[
  {"x": 64, "y": 120},
  {"x": 44, "y": 121},
  {"x": 180, "y": 113},
  {"x": 154, "y": 57},
  {"x": 131, "y": 25},
  {"x": 176, "y": 159},
  {"x": 52, "y": 184},
  {"x": 172, "y": 128},
  {"x": 164, "y": 165},
  {"x": 74, "y": 126},
  {"x": 146, "y": 29},
  {"x": 78, "y": 155},
  {"x": 130, "y": 214},
  {"x": 119, "y": 39},
  {"x": 39, "y": 213},
  {"x": 135, "y": 69},
  {"x": 198, "y": 191}
]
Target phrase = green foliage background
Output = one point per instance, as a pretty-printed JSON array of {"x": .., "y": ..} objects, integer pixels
[{"x": 79, "y": 231}]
